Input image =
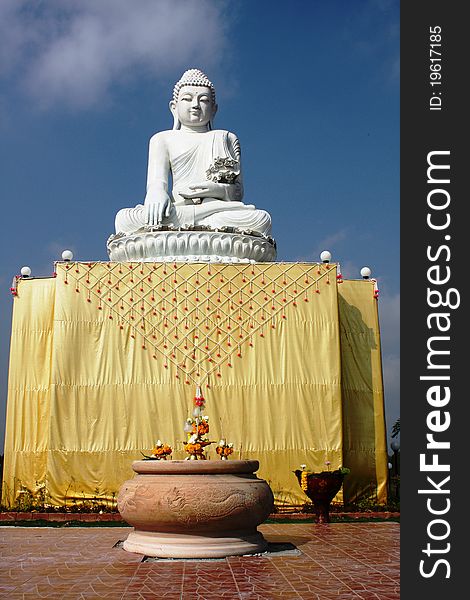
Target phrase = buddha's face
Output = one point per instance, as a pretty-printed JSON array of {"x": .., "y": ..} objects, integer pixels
[{"x": 194, "y": 107}]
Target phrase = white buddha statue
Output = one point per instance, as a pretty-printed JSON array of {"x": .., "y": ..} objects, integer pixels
[{"x": 205, "y": 168}]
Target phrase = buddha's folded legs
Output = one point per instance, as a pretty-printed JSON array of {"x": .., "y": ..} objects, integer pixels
[
  {"x": 214, "y": 213},
  {"x": 129, "y": 220},
  {"x": 257, "y": 220}
]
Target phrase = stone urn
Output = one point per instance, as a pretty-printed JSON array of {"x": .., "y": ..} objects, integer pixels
[
  {"x": 195, "y": 509},
  {"x": 321, "y": 489}
]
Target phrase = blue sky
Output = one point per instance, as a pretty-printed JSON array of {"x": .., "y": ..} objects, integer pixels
[{"x": 310, "y": 87}]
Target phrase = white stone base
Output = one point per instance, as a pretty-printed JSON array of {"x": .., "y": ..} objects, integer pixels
[
  {"x": 191, "y": 246},
  {"x": 210, "y": 545}
]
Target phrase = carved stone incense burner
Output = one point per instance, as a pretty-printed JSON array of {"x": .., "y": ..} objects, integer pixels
[{"x": 195, "y": 509}]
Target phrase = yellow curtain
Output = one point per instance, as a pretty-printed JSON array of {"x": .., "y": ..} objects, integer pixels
[
  {"x": 29, "y": 388},
  {"x": 105, "y": 359},
  {"x": 364, "y": 433}
]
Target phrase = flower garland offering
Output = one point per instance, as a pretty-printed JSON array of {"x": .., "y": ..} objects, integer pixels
[
  {"x": 196, "y": 428},
  {"x": 223, "y": 170},
  {"x": 303, "y": 478},
  {"x": 224, "y": 450},
  {"x": 195, "y": 448},
  {"x": 304, "y": 474},
  {"x": 160, "y": 451},
  {"x": 202, "y": 428}
]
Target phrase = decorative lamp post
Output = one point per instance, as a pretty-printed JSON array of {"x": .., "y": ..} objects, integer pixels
[
  {"x": 395, "y": 446},
  {"x": 389, "y": 479},
  {"x": 25, "y": 272},
  {"x": 365, "y": 272},
  {"x": 325, "y": 256}
]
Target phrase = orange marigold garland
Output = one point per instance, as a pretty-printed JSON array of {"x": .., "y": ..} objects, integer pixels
[
  {"x": 224, "y": 450},
  {"x": 196, "y": 428},
  {"x": 304, "y": 478},
  {"x": 202, "y": 428},
  {"x": 160, "y": 451}
]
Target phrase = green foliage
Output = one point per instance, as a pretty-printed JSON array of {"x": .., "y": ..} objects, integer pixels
[{"x": 396, "y": 428}]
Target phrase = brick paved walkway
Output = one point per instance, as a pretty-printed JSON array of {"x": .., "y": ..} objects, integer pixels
[{"x": 341, "y": 561}]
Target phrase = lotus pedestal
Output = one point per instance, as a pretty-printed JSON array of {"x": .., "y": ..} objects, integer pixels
[
  {"x": 191, "y": 246},
  {"x": 195, "y": 509}
]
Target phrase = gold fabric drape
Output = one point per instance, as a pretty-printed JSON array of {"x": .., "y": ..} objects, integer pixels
[
  {"x": 106, "y": 356},
  {"x": 364, "y": 434}
]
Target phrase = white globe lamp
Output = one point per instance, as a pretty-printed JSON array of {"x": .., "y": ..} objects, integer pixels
[{"x": 67, "y": 255}]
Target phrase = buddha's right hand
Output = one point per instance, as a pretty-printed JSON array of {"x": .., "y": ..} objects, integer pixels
[{"x": 156, "y": 211}]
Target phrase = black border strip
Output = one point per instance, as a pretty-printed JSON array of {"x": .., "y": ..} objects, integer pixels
[{"x": 423, "y": 131}]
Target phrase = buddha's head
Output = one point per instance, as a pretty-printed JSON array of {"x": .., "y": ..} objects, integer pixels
[{"x": 193, "y": 103}]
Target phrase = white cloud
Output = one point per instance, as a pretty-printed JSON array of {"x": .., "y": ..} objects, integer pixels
[{"x": 73, "y": 53}]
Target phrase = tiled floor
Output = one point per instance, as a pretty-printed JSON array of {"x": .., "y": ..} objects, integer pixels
[{"x": 341, "y": 561}]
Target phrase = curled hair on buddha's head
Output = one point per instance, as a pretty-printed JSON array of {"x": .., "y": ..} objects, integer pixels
[{"x": 192, "y": 77}]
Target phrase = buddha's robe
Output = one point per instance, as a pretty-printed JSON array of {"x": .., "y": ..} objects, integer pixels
[{"x": 190, "y": 167}]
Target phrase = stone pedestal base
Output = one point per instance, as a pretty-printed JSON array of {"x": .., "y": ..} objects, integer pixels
[
  {"x": 173, "y": 545},
  {"x": 195, "y": 509},
  {"x": 191, "y": 246}
]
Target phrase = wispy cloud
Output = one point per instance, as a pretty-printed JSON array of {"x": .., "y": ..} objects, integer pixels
[
  {"x": 380, "y": 19},
  {"x": 350, "y": 269},
  {"x": 389, "y": 315},
  {"x": 332, "y": 240},
  {"x": 74, "y": 53}
]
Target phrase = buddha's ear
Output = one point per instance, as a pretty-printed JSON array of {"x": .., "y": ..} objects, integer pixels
[
  {"x": 176, "y": 123},
  {"x": 214, "y": 111}
]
